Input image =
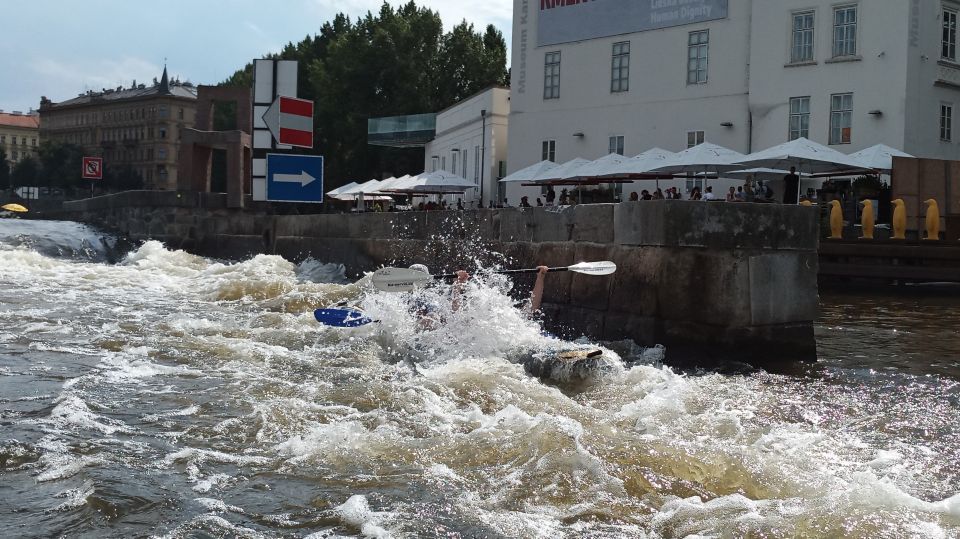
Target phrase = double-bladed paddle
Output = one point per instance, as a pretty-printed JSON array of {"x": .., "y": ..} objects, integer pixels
[{"x": 406, "y": 279}]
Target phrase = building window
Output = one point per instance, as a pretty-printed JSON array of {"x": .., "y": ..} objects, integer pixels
[
  {"x": 434, "y": 163},
  {"x": 549, "y": 150},
  {"x": 463, "y": 160},
  {"x": 949, "y": 51},
  {"x": 163, "y": 111},
  {"x": 620, "y": 69},
  {"x": 163, "y": 132},
  {"x": 162, "y": 153},
  {"x": 16, "y": 155},
  {"x": 802, "y": 50},
  {"x": 946, "y": 122},
  {"x": 697, "y": 45},
  {"x": 551, "y": 75},
  {"x": 33, "y": 141},
  {"x": 3, "y": 139},
  {"x": 799, "y": 117},
  {"x": 23, "y": 141},
  {"x": 616, "y": 144},
  {"x": 694, "y": 138},
  {"x": 180, "y": 114},
  {"x": 453, "y": 161},
  {"x": 845, "y": 31},
  {"x": 841, "y": 113},
  {"x": 443, "y": 163},
  {"x": 476, "y": 165}
]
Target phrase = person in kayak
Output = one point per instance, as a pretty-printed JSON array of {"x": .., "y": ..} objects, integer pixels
[{"x": 427, "y": 311}]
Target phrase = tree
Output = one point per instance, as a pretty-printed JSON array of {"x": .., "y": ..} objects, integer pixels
[
  {"x": 26, "y": 172},
  {"x": 61, "y": 164},
  {"x": 396, "y": 61},
  {"x": 4, "y": 171},
  {"x": 122, "y": 178}
]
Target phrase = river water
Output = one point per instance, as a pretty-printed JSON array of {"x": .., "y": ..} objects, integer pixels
[{"x": 163, "y": 394}]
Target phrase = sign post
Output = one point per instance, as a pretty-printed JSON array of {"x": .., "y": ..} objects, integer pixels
[
  {"x": 290, "y": 121},
  {"x": 92, "y": 170},
  {"x": 294, "y": 178}
]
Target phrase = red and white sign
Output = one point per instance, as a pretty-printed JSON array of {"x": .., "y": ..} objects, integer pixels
[
  {"x": 92, "y": 168},
  {"x": 291, "y": 121}
]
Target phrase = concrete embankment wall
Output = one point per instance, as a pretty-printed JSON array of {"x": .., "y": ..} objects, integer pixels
[{"x": 705, "y": 279}]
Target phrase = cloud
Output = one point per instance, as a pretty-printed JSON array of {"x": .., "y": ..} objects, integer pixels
[{"x": 92, "y": 74}]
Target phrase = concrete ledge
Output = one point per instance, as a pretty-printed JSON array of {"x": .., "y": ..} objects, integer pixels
[{"x": 719, "y": 225}]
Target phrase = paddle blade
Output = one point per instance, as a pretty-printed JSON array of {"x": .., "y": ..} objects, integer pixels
[
  {"x": 14, "y": 207},
  {"x": 399, "y": 279},
  {"x": 594, "y": 268},
  {"x": 341, "y": 318}
]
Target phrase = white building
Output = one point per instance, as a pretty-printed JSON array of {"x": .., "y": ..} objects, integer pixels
[
  {"x": 589, "y": 78},
  {"x": 471, "y": 141}
]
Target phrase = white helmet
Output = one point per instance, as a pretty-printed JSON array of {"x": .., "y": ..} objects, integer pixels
[{"x": 420, "y": 267}]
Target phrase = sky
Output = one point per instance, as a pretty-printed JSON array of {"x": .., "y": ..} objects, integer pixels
[{"x": 61, "y": 48}]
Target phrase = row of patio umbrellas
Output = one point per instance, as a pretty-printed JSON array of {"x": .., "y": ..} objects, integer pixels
[
  {"x": 807, "y": 156},
  {"x": 429, "y": 183}
]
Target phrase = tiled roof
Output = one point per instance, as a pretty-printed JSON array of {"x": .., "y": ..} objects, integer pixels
[
  {"x": 176, "y": 90},
  {"x": 20, "y": 120}
]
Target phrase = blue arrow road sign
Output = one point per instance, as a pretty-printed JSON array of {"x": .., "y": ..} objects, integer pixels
[{"x": 294, "y": 178}]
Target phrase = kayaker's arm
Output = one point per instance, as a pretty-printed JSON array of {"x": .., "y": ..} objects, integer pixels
[
  {"x": 462, "y": 277},
  {"x": 536, "y": 297}
]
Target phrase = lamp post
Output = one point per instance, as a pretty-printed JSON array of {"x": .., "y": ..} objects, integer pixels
[{"x": 483, "y": 149}]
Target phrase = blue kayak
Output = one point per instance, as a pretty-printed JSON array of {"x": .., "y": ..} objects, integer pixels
[{"x": 341, "y": 318}]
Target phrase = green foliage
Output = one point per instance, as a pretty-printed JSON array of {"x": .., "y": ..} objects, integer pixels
[
  {"x": 393, "y": 62},
  {"x": 4, "y": 170},
  {"x": 121, "y": 178},
  {"x": 867, "y": 184},
  {"x": 26, "y": 172},
  {"x": 61, "y": 164}
]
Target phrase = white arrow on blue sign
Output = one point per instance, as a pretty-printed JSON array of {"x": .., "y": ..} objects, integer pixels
[{"x": 294, "y": 178}]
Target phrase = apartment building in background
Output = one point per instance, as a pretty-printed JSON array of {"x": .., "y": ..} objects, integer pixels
[
  {"x": 19, "y": 135},
  {"x": 138, "y": 126}
]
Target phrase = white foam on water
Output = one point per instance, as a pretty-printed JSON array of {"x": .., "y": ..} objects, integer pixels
[
  {"x": 218, "y": 506},
  {"x": 57, "y": 462},
  {"x": 75, "y": 497},
  {"x": 356, "y": 512},
  {"x": 196, "y": 455},
  {"x": 209, "y": 483},
  {"x": 71, "y": 411},
  {"x": 316, "y": 271}
]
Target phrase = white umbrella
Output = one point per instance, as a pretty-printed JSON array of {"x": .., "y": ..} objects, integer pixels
[
  {"x": 704, "y": 157},
  {"x": 805, "y": 155},
  {"x": 339, "y": 190},
  {"x": 879, "y": 157},
  {"x": 595, "y": 168},
  {"x": 560, "y": 172},
  {"x": 640, "y": 164},
  {"x": 437, "y": 182},
  {"x": 529, "y": 173}
]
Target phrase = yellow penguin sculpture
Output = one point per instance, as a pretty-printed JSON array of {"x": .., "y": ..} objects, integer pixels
[
  {"x": 933, "y": 220},
  {"x": 866, "y": 220},
  {"x": 836, "y": 220},
  {"x": 899, "y": 220}
]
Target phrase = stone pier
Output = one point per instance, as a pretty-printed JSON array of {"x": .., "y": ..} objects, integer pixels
[{"x": 708, "y": 280}]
